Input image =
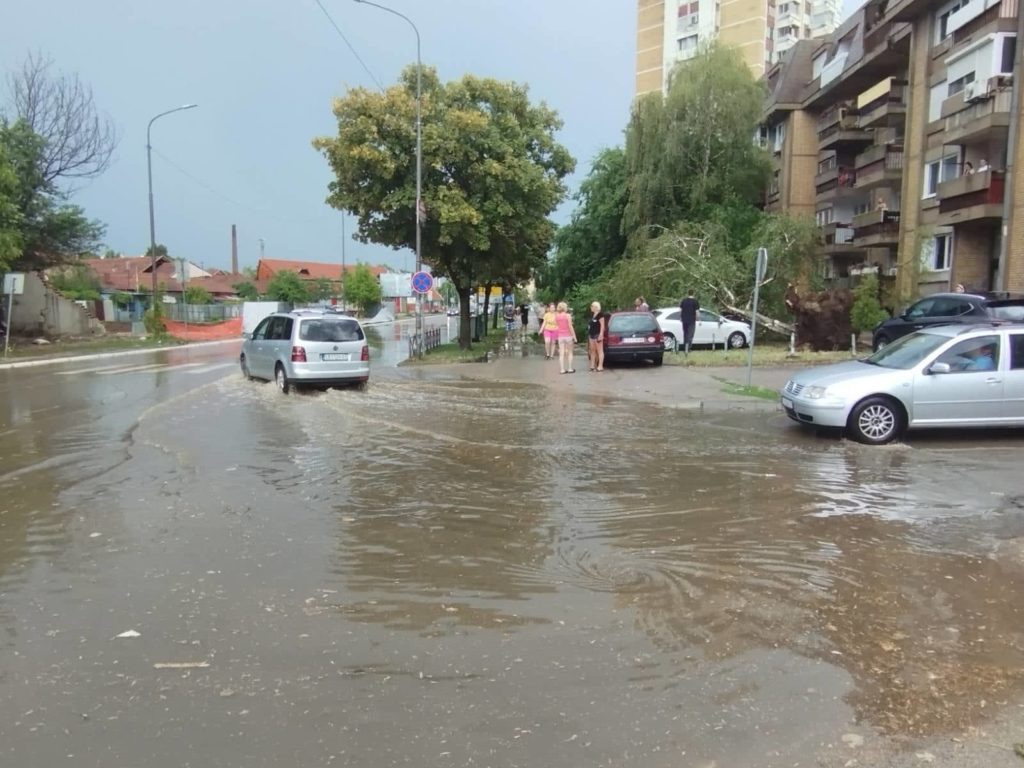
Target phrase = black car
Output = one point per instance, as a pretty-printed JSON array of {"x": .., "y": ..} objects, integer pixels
[
  {"x": 950, "y": 308},
  {"x": 633, "y": 336}
]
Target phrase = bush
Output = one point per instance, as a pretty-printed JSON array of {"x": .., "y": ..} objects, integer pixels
[{"x": 866, "y": 311}]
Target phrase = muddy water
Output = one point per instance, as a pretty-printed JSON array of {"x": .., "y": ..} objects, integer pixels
[{"x": 441, "y": 573}]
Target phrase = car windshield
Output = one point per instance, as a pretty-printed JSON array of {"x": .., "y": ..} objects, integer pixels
[
  {"x": 641, "y": 323},
  {"x": 333, "y": 330},
  {"x": 908, "y": 351},
  {"x": 1010, "y": 310}
]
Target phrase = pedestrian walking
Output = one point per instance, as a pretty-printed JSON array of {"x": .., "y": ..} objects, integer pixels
[
  {"x": 596, "y": 329},
  {"x": 549, "y": 330},
  {"x": 510, "y": 318},
  {"x": 566, "y": 338},
  {"x": 524, "y": 314},
  {"x": 688, "y": 310}
]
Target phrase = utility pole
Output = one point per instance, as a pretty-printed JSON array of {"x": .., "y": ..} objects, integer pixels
[
  {"x": 343, "y": 304},
  {"x": 262, "y": 243}
]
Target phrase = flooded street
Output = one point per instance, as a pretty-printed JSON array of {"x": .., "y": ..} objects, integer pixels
[{"x": 444, "y": 572}]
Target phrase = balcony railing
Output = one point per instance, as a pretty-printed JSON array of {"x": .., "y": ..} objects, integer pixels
[
  {"x": 878, "y": 227},
  {"x": 886, "y": 156},
  {"x": 828, "y": 164},
  {"x": 976, "y": 191},
  {"x": 999, "y": 103}
]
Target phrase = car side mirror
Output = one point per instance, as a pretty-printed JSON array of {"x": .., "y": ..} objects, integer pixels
[
  {"x": 246, "y": 335},
  {"x": 939, "y": 368}
]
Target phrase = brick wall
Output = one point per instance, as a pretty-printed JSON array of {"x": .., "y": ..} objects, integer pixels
[{"x": 972, "y": 257}]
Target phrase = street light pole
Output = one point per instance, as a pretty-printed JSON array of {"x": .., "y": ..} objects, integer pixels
[
  {"x": 149, "y": 174},
  {"x": 419, "y": 161}
]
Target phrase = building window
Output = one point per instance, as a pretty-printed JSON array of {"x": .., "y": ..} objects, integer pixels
[
  {"x": 942, "y": 19},
  {"x": 1009, "y": 53},
  {"x": 936, "y": 97},
  {"x": 958, "y": 85},
  {"x": 688, "y": 45},
  {"x": 824, "y": 217},
  {"x": 938, "y": 253},
  {"x": 939, "y": 171}
]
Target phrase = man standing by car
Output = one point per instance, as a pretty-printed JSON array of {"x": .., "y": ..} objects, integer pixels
[{"x": 688, "y": 309}]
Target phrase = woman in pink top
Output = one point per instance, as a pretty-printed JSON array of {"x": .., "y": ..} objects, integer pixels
[{"x": 566, "y": 337}]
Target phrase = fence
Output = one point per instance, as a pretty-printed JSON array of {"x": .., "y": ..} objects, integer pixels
[
  {"x": 202, "y": 313},
  {"x": 431, "y": 338}
]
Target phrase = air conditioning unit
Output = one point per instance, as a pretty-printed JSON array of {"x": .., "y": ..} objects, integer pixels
[
  {"x": 971, "y": 92},
  {"x": 694, "y": 20},
  {"x": 999, "y": 82}
]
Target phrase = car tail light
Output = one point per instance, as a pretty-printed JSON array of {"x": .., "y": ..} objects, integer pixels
[
  {"x": 364, "y": 356},
  {"x": 659, "y": 337},
  {"x": 298, "y": 354},
  {"x": 614, "y": 339}
]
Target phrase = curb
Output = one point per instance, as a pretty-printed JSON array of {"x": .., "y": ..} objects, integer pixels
[{"x": 107, "y": 355}]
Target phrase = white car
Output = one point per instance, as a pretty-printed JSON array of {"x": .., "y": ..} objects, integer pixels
[{"x": 712, "y": 329}]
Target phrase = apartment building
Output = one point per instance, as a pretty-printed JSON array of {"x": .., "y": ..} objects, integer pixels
[
  {"x": 670, "y": 31},
  {"x": 898, "y": 133}
]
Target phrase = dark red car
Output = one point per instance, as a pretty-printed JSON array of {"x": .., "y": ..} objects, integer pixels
[{"x": 633, "y": 336}]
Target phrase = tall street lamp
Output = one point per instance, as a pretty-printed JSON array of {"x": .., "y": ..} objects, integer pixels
[
  {"x": 149, "y": 173},
  {"x": 419, "y": 160}
]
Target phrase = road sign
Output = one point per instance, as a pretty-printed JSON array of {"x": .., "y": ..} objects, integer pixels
[
  {"x": 14, "y": 283},
  {"x": 422, "y": 282}
]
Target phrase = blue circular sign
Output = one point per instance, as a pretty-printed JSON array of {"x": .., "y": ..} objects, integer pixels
[{"x": 422, "y": 282}]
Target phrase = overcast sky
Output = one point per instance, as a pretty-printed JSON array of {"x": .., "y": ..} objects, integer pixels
[{"x": 264, "y": 73}]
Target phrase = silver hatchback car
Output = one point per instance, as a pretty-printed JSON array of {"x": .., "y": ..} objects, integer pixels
[
  {"x": 946, "y": 376},
  {"x": 308, "y": 348}
]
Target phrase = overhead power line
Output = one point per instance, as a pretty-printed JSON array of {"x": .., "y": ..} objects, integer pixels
[{"x": 349, "y": 44}]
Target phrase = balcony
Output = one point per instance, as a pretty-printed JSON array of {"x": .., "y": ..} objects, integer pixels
[
  {"x": 876, "y": 229},
  {"x": 972, "y": 198},
  {"x": 879, "y": 165},
  {"x": 837, "y": 184},
  {"x": 837, "y": 240},
  {"x": 837, "y": 126},
  {"x": 984, "y": 119},
  {"x": 888, "y": 110}
]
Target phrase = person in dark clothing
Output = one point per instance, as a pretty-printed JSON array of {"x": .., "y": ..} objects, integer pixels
[
  {"x": 524, "y": 313},
  {"x": 688, "y": 309}
]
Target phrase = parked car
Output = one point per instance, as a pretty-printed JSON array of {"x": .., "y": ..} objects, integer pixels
[
  {"x": 633, "y": 336},
  {"x": 307, "y": 348},
  {"x": 947, "y": 308},
  {"x": 711, "y": 329},
  {"x": 946, "y": 376}
]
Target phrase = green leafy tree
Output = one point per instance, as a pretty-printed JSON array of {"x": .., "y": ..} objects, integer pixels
[
  {"x": 246, "y": 291},
  {"x": 321, "y": 289},
  {"x": 448, "y": 293},
  {"x": 693, "y": 151},
  {"x": 161, "y": 251},
  {"x": 866, "y": 311},
  {"x": 10, "y": 215},
  {"x": 49, "y": 230},
  {"x": 77, "y": 282},
  {"x": 197, "y": 294},
  {"x": 362, "y": 288},
  {"x": 492, "y": 174},
  {"x": 121, "y": 299},
  {"x": 593, "y": 239},
  {"x": 288, "y": 286}
]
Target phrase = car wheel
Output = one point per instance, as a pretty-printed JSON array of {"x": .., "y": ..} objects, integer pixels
[
  {"x": 875, "y": 421},
  {"x": 737, "y": 340},
  {"x": 880, "y": 341},
  {"x": 658, "y": 359},
  {"x": 245, "y": 369},
  {"x": 282, "y": 380},
  {"x": 670, "y": 342}
]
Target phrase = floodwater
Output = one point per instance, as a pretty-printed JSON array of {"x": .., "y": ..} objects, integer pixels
[{"x": 447, "y": 573}]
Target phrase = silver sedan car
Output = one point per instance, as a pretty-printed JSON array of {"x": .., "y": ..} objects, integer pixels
[{"x": 946, "y": 376}]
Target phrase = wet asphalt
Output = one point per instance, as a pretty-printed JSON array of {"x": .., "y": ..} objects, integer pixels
[{"x": 489, "y": 566}]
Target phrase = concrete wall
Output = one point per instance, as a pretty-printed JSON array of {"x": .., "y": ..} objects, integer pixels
[{"x": 40, "y": 311}]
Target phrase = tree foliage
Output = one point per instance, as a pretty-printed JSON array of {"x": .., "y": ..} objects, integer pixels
[
  {"x": 693, "y": 151},
  {"x": 48, "y": 231},
  {"x": 77, "y": 282},
  {"x": 320, "y": 289},
  {"x": 866, "y": 311},
  {"x": 362, "y": 288},
  {"x": 197, "y": 294},
  {"x": 289, "y": 287},
  {"x": 10, "y": 214},
  {"x": 160, "y": 250},
  {"x": 593, "y": 238},
  {"x": 492, "y": 174},
  {"x": 246, "y": 290}
]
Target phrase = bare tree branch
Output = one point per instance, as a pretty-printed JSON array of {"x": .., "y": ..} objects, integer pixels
[{"x": 60, "y": 108}]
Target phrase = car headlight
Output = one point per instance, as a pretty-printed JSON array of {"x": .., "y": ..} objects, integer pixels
[{"x": 815, "y": 393}]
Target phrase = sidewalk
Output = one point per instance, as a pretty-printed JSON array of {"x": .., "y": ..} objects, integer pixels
[
  {"x": 57, "y": 357},
  {"x": 671, "y": 386}
]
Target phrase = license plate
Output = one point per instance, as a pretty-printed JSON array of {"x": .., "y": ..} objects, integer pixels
[
  {"x": 633, "y": 341},
  {"x": 334, "y": 357},
  {"x": 787, "y": 403}
]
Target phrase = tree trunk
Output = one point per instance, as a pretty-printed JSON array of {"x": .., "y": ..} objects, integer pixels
[
  {"x": 768, "y": 322},
  {"x": 465, "y": 330}
]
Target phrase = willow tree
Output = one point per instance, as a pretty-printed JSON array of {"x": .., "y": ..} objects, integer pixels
[
  {"x": 692, "y": 153},
  {"x": 492, "y": 174}
]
